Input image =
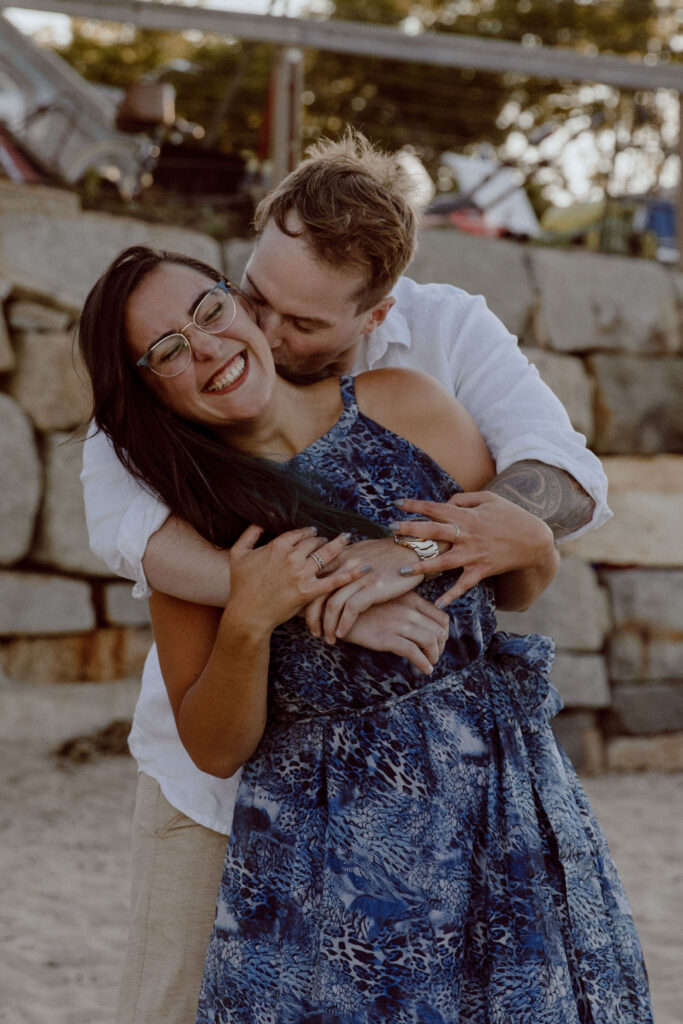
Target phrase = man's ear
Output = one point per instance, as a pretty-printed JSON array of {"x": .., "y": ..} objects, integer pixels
[{"x": 378, "y": 314}]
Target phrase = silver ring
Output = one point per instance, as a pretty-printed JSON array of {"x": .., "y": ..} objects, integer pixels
[
  {"x": 457, "y": 532},
  {"x": 318, "y": 561}
]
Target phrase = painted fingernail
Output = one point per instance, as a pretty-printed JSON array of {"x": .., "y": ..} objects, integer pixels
[
  {"x": 406, "y": 570},
  {"x": 313, "y": 529},
  {"x": 394, "y": 525},
  {"x": 441, "y": 605},
  {"x": 399, "y": 502},
  {"x": 366, "y": 568},
  {"x": 348, "y": 536}
]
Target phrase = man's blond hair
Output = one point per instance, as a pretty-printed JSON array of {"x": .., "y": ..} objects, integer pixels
[{"x": 355, "y": 204}]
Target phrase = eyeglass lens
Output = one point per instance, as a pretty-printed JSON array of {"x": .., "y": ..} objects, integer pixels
[{"x": 214, "y": 314}]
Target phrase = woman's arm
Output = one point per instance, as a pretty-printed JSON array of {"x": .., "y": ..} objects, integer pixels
[{"x": 215, "y": 665}]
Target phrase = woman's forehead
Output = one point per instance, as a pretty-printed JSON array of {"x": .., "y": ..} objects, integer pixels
[{"x": 176, "y": 276}]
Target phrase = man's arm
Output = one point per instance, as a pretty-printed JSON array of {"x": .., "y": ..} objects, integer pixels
[
  {"x": 547, "y": 480},
  {"x": 524, "y": 424},
  {"x": 547, "y": 492},
  {"x": 179, "y": 562},
  {"x": 120, "y": 514}
]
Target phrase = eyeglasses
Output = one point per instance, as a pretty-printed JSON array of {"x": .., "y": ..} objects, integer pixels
[{"x": 215, "y": 313}]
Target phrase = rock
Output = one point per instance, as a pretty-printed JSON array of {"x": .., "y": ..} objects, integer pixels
[
  {"x": 236, "y": 256},
  {"x": 138, "y": 643},
  {"x": 25, "y": 315},
  {"x": 646, "y": 598},
  {"x": 6, "y": 350},
  {"x": 50, "y": 382},
  {"x": 93, "y": 657},
  {"x": 638, "y": 404},
  {"x": 482, "y": 266},
  {"x": 573, "y": 610},
  {"x": 21, "y": 477},
  {"x": 121, "y": 608},
  {"x": 646, "y": 753},
  {"x": 579, "y": 736},
  {"x": 37, "y": 603},
  {"x": 62, "y": 256},
  {"x": 568, "y": 378},
  {"x": 645, "y": 495},
  {"x": 34, "y": 712},
  {"x": 110, "y": 741},
  {"x": 581, "y": 680},
  {"x": 589, "y": 301},
  {"x": 637, "y": 656},
  {"x": 38, "y": 199},
  {"x": 62, "y": 539},
  {"x": 652, "y": 708}
]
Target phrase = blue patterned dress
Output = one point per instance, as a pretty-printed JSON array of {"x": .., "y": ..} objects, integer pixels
[{"x": 408, "y": 848}]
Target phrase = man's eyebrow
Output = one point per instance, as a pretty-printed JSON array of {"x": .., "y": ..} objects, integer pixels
[{"x": 314, "y": 321}]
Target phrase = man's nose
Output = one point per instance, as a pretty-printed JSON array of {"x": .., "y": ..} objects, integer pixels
[{"x": 271, "y": 324}]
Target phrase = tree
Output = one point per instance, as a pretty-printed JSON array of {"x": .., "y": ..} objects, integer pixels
[
  {"x": 433, "y": 108},
  {"x": 427, "y": 107}
]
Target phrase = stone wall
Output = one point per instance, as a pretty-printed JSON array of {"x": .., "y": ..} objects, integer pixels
[{"x": 604, "y": 332}]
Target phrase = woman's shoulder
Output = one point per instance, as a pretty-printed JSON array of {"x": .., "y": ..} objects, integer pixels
[
  {"x": 417, "y": 407},
  {"x": 401, "y": 394}
]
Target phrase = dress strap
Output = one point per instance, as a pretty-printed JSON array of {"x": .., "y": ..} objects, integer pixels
[{"x": 347, "y": 386}]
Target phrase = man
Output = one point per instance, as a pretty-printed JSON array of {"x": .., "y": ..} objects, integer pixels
[{"x": 324, "y": 276}]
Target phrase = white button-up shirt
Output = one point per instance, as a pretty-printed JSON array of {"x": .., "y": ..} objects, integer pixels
[{"x": 436, "y": 328}]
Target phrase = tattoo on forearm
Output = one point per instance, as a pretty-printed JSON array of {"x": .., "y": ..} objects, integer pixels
[{"x": 547, "y": 492}]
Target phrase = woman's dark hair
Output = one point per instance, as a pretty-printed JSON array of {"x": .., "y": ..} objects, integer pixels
[{"x": 218, "y": 490}]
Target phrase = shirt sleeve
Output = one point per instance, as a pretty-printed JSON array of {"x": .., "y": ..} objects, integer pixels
[
  {"x": 121, "y": 515},
  {"x": 517, "y": 413}
]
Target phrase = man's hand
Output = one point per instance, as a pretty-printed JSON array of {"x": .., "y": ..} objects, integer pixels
[
  {"x": 489, "y": 535},
  {"x": 409, "y": 626}
]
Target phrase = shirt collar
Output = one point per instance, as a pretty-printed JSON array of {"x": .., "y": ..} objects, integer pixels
[{"x": 395, "y": 331}]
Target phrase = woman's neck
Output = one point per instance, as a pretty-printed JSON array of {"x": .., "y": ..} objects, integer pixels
[{"x": 295, "y": 417}]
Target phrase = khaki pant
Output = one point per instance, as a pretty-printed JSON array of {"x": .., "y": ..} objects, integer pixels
[{"x": 177, "y": 867}]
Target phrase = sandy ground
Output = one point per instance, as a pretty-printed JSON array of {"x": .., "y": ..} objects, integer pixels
[{"x": 64, "y": 869}]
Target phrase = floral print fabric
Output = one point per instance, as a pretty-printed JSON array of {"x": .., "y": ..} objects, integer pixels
[{"x": 408, "y": 848}]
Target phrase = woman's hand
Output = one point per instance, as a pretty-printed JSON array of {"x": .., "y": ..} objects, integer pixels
[
  {"x": 409, "y": 626},
  {"x": 333, "y": 615},
  {"x": 270, "y": 584}
]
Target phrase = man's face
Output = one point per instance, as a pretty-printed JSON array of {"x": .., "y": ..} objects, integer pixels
[{"x": 306, "y": 308}]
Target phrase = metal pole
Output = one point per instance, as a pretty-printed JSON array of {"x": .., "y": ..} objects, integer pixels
[
  {"x": 285, "y": 106},
  {"x": 296, "y": 116}
]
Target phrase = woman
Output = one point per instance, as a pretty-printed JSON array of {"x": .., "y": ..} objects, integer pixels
[{"x": 404, "y": 847}]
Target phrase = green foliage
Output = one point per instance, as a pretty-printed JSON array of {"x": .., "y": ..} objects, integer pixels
[{"x": 430, "y": 108}]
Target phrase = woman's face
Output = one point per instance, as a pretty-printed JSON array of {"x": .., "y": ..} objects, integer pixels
[{"x": 230, "y": 377}]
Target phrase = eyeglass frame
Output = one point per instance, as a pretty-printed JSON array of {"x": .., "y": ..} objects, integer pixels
[{"x": 228, "y": 287}]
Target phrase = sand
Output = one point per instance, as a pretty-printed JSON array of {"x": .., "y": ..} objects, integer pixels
[{"x": 65, "y": 875}]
